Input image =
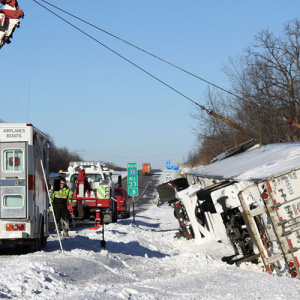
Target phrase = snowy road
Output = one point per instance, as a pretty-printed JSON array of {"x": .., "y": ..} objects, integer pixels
[
  {"x": 141, "y": 261},
  {"x": 147, "y": 191}
]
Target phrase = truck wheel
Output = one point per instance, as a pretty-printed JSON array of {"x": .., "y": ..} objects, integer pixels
[
  {"x": 38, "y": 245},
  {"x": 127, "y": 215},
  {"x": 114, "y": 217},
  {"x": 114, "y": 213},
  {"x": 44, "y": 242},
  {"x": 41, "y": 239}
]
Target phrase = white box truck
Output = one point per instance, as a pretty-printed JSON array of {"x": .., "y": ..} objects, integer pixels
[{"x": 24, "y": 201}]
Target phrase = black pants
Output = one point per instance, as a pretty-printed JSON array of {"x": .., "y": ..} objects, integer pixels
[{"x": 62, "y": 215}]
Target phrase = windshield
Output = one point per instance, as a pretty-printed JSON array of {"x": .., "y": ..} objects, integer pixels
[{"x": 91, "y": 177}]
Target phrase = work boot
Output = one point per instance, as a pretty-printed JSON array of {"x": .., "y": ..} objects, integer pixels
[{"x": 65, "y": 234}]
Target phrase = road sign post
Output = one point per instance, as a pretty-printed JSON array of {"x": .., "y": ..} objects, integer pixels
[{"x": 132, "y": 184}]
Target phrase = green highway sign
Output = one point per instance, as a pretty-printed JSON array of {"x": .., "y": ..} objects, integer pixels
[{"x": 132, "y": 179}]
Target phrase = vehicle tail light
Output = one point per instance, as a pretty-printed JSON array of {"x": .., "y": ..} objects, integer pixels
[
  {"x": 294, "y": 274},
  {"x": 15, "y": 227},
  {"x": 9, "y": 227},
  {"x": 292, "y": 269},
  {"x": 21, "y": 227}
]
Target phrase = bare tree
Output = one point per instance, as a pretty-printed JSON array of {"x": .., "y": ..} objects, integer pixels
[
  {"x": 59, "y": 158},
  {"x": 266, "y": 81},
  {"x": 267, "y": 78},
  {"x": 213, "y": 135}
]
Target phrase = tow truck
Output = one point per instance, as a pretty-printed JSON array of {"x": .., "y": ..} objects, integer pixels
[
  {"x": 93, "y": 192},
  {"x": 10, "y": 16}
]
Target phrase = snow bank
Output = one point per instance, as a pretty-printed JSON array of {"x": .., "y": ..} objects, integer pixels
[
  {"x": 140, "y": 261},
  {"x": 257, "y": 164}
]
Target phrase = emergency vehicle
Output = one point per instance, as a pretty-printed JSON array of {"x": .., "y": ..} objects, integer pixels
[
  {"x": 23, "y": 193},
  {"x": 93, "y": 192}
]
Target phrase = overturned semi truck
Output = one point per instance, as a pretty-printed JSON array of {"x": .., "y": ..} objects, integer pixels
[{"x": 250, "y": 201}]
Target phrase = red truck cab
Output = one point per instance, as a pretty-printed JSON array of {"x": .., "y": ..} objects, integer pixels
[
  {"x": 146, "y": 168},
  {"x": 123, "y": 205}
]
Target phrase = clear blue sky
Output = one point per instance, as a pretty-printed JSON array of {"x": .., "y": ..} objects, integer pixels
[{"x": 87, "y": 98}]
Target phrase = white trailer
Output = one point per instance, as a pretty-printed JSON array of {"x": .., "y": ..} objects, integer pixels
[
  {"x": 250, "y": 201},
  {"x": 23, "y": 193}
]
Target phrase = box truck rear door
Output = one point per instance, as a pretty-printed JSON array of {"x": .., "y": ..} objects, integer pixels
[{"x": 13, "y": 181}]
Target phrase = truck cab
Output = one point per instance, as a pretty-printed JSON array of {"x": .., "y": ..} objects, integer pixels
[{"x": 146, "y": 168}]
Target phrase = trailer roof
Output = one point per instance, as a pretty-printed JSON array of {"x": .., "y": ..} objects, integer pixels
[{"x": 256, "y": 164}]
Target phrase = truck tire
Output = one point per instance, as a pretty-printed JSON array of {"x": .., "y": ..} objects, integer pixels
[
  {"x": 114, "y": 216},
  {"x": 114, "y": 213},
  {"x": 43, "y": 238},
  {"x": 38, "y": 245},
  {"x": 41, "y": 242},
  {"x": 127, "y": 214}
]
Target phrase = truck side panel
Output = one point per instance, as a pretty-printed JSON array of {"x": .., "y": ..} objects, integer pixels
[{"x": 13, "y": 184}]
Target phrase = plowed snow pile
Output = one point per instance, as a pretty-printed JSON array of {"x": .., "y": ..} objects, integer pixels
[{"x": 140, "y": 261}]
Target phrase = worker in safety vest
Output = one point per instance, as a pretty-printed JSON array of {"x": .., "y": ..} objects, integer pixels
[
  {"x": 60, "y": 197},
  {"x": 9, "y": 20}
]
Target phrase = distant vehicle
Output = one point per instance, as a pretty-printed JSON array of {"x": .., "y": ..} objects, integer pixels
[
  {"x": 146, "y": 168},
  {"x": 123, "y": 204}
]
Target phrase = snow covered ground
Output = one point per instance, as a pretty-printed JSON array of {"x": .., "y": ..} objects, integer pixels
[{"x": 140, "y": 261}]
